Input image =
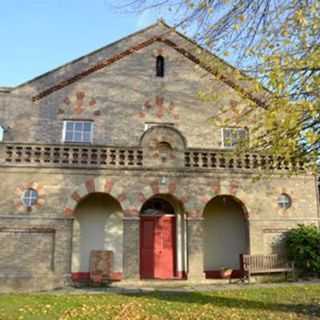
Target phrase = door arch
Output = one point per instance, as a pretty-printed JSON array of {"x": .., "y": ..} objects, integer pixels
[
  {"x": 226, "y": 235},
  {"x": 161, "y": 238}
]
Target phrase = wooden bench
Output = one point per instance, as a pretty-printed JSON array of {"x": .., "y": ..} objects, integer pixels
[{"x": 259, "y": 264}]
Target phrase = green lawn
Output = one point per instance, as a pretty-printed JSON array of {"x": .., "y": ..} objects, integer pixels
[{"x": 294, "y": 302}]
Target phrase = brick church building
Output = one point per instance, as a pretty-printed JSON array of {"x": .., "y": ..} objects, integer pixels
[{"x": 112, "y": 167}]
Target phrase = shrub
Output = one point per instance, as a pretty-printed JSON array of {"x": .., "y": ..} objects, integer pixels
[{"x": 303, "y": 247}]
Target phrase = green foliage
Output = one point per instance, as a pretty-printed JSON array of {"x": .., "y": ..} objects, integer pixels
[
  {"x": 303, "y": 246},
  {"x": 274, "y": 41}
]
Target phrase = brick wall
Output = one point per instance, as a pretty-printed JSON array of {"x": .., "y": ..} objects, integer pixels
[{"x": 120, "y": 99}]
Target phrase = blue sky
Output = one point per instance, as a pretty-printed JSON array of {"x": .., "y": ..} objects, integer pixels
[{"x": 39, "y": 35}]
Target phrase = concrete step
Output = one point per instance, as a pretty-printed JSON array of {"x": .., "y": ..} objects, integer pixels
[{"x": 169, "y": 283}]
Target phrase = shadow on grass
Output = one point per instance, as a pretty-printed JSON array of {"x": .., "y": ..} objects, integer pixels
[{"x": 231, "y": 302}]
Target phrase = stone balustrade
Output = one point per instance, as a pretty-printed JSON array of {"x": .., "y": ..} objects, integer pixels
[
  {"x": 74, "y": 156},
  {"x": 71, "y": 156},
  {"x": 229, "y": 160}
]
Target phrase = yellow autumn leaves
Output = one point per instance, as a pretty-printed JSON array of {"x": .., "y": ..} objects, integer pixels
[{"x": 291, "y": 302}]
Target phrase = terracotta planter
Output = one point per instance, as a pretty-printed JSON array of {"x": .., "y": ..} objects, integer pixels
[{"x": 225, "y": 273}]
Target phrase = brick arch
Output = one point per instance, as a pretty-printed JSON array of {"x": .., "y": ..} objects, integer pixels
[
  {"x": 155, "y": 188},
  {"x": 218, "y": 188},
  {"x": 235, "y": 199},
  {"x": 92, "y": 185},
  {"x": 166, "y": 133}
]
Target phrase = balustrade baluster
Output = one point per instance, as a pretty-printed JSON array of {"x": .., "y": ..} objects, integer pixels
[
  {"x": 204, "y": 159},
  {"x": 221, "y": 161},
  {"x": 187, "y": 159},
  {"x": 122, "y": 157},
  {"x": 195, "y": 159},
  {"x": 9, "y": 154},
  {"x": 27, "y": 153},
  {"x": 75, "y": 156},
  {"x": 103, "y": 157},
  {"x": 94, "y": 157},
  {"x": 18, "y": 154},
  {"x": 140, "y": 158},
  {"x": 255, "y": 163},
  {"x": 230, "y": 162},
  {"x": 213, "y": 160},
  {"x": 239, "y": 164},
  {"x": 112, "y": 157},
  {"x": 37, "y": 152},
  {"x": 247, "y": 162},
  {"x": 47, "y": 155}
]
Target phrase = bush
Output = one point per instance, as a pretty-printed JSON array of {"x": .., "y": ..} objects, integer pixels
[{"x": 303, "y": 247}]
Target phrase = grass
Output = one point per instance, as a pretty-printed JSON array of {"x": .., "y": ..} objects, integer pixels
[{"x": 294, "y": 302}]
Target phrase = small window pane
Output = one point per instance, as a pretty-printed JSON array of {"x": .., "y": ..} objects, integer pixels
[
  {"x": 68, "y": 136},
  {"x": 78, "y": 126},
  {"x": 87, "y": 126},
  {"x": 77, "y": 136},
  {"x": 233, "y": 136},
  {"x": 284, "y": 201},
  {"x": 30, "y": 198},
  {"x": 87, "y": 136},
  {"x": 69, "y": 125}
]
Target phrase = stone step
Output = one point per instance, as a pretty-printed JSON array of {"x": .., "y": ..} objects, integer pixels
[{"x": 169, "y": 283}]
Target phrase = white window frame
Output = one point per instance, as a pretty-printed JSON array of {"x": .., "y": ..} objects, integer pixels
[
  {"x": 232, "y": 128},
  {"x": 64, "y": 132}
]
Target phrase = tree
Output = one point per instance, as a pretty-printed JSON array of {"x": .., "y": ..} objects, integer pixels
[{"x": 274, "y": 41}]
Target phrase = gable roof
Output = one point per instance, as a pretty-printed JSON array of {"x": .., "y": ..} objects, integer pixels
[{"x": 158, "y": 32}]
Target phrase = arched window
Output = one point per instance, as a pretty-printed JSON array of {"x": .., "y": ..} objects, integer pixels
[
  {"x": 160, "y": 66},
  {"x": 157, "y": 205}
]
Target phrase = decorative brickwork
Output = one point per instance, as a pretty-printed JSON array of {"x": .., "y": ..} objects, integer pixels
[
  {"x": 80, "y": 103},
  {"x": 98, "y": 184},
  {"x": 159, "y": 109},
  {"x": 170, "y": 187}
]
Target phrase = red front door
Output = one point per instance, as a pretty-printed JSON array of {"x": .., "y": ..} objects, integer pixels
[{"x": 157, "y": 247}]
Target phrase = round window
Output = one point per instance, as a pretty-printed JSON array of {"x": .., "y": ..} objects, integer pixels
[
  {"x": 30, "y": 197},
  {"x": 284, "y": 201}
]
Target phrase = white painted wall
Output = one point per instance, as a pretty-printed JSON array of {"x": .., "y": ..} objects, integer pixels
[
  {"x": 225, "y": 234},
  {"x": 97, "y": 226}
]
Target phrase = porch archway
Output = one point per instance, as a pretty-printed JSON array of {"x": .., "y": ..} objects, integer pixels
[
  {"x": 97, "y": 226},
  {"x": 226, "y": 235}
]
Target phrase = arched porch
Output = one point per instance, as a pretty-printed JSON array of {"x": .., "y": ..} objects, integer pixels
[
  {"x": 97, "y": 226},
  {"x": 225, "y": 236}
]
